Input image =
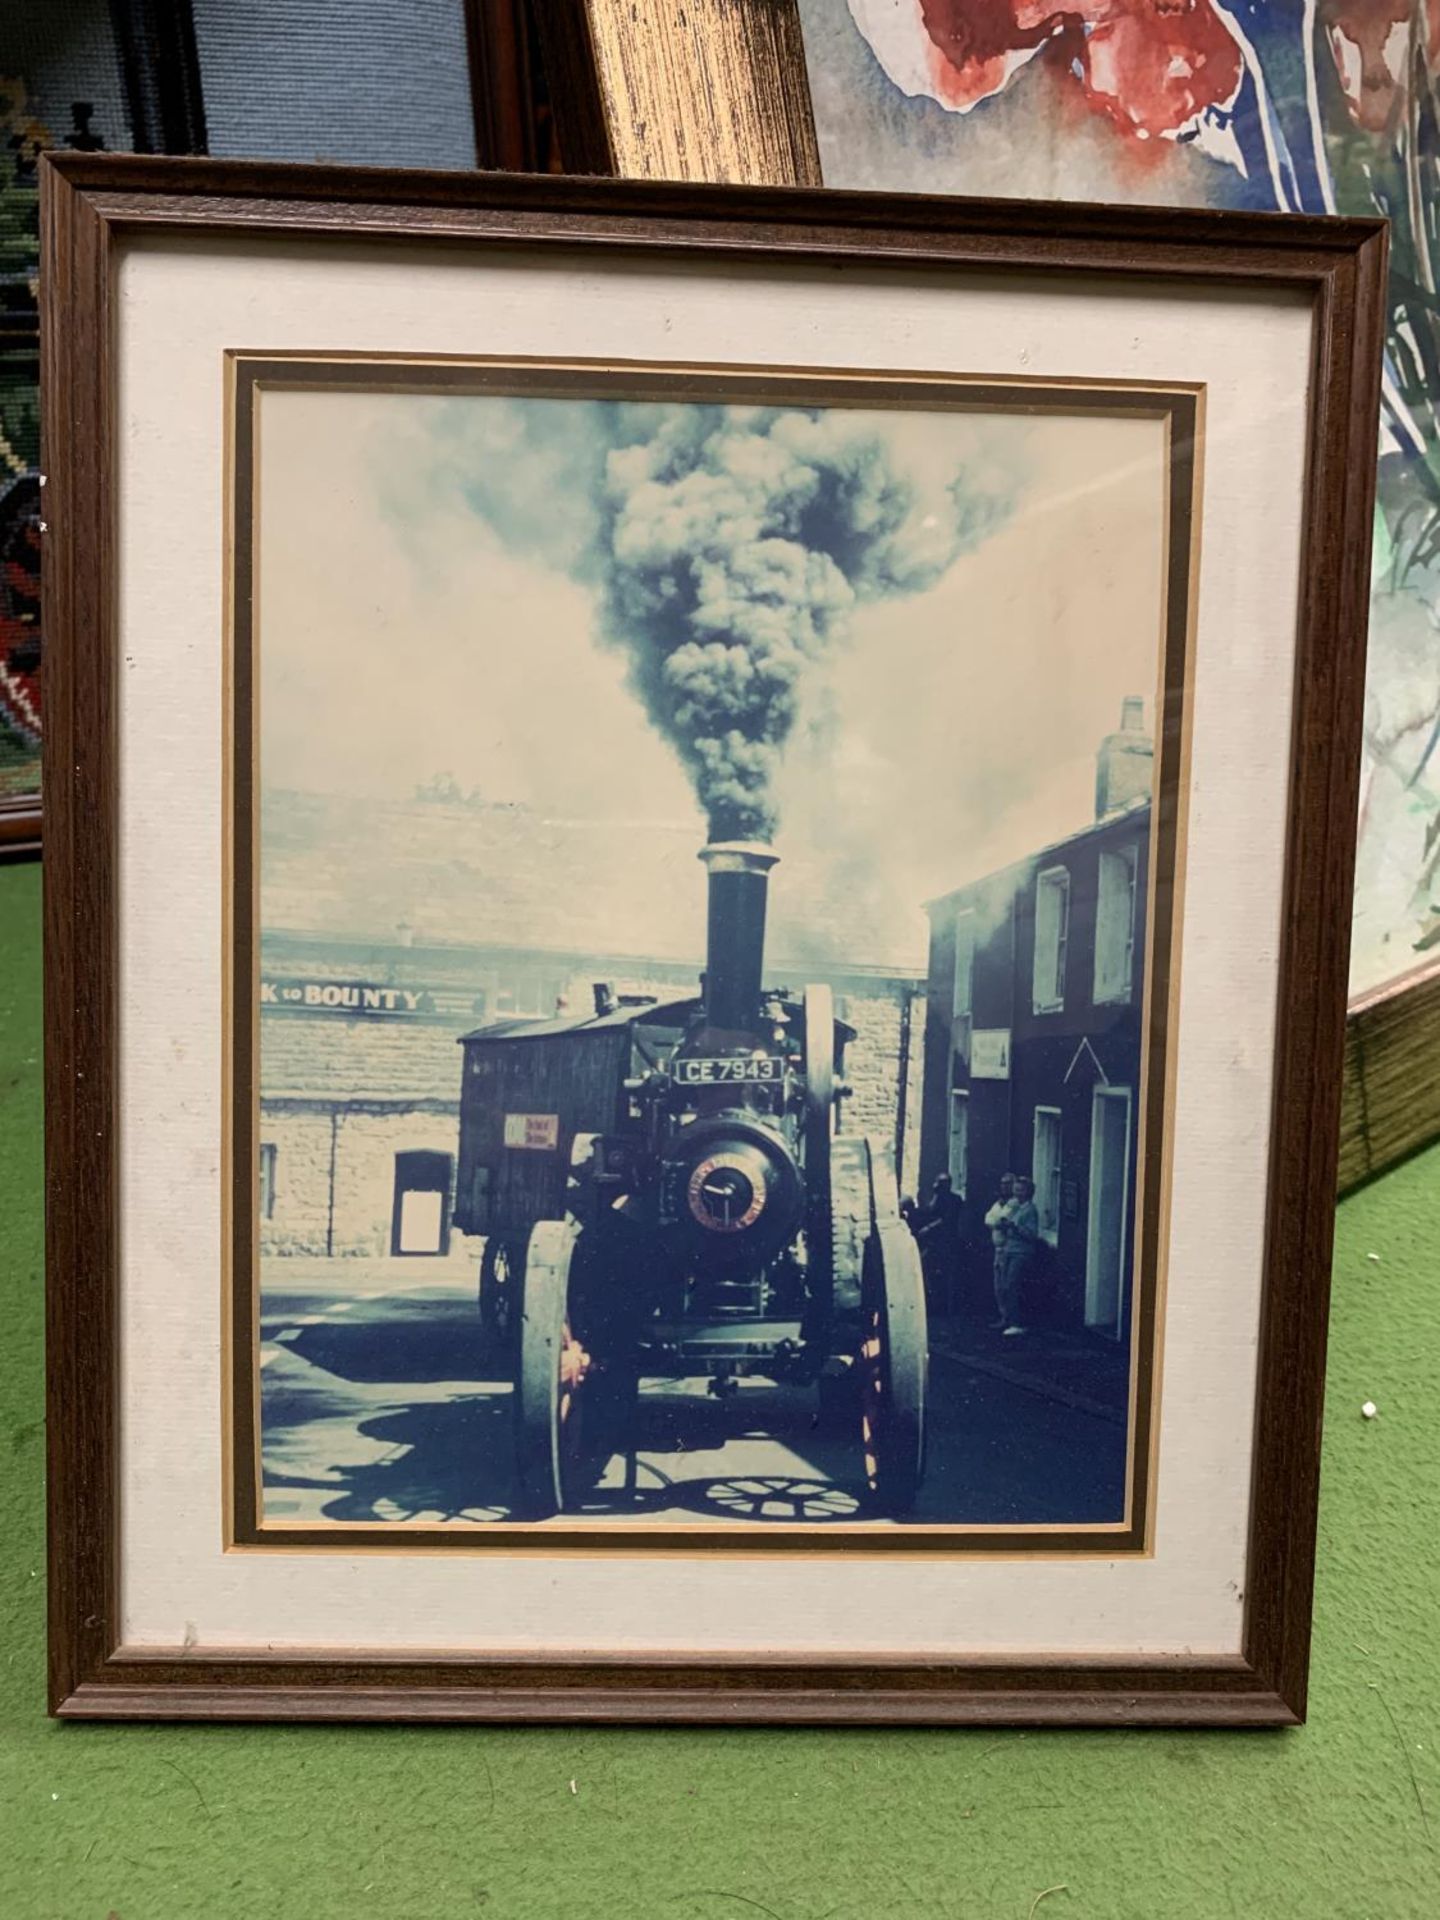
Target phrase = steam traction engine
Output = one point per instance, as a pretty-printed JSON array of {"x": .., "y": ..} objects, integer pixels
[{"x": 663, "y": 1190}]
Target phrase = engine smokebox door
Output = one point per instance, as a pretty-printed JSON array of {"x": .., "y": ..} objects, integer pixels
[{"x": 525, "y": 1094}]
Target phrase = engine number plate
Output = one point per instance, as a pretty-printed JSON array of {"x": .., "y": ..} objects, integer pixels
[{"x": 708, "y": 1070}]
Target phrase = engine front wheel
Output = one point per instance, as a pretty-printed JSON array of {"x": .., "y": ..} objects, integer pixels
[
  {"x": 575, "y": 1381},
  {"x": 892, "y": 1368},
  {"x": 552, "y": 1374},
  {"x": 502, "y": 1263}
]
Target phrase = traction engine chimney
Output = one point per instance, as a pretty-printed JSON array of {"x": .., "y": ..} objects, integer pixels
[{"x": 735, "y": 941}]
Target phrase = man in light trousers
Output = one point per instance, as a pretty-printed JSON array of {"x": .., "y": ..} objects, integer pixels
[{"x": 1015, "y": 1231}]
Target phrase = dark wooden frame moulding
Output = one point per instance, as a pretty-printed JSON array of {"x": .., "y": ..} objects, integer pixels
[
  {"x": 514, "y": 127},
  {"x": 715, "y": 90},
  {"x": 20, "y": 818},
  {"x": 91, "y": 206}
]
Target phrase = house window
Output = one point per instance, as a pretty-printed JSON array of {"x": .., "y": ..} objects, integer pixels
[
  {"x": 1045, "y": 1163},
  {"x": 962, "y": 983},
  {"x": 528, "y": 997},
  {"x": 959, "y": 1139},
  {"x": 1115, "y": 926},
  {"x": 964, "y": 964},
  {"x": 267, "y": 1180},
  {"x": 1052, "y": 933}
]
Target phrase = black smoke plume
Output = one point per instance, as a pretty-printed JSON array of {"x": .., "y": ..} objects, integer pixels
[{"x": 729, "y": 547}]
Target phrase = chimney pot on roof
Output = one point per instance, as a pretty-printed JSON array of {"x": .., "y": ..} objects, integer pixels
[{"x": 1125, "y": 762}]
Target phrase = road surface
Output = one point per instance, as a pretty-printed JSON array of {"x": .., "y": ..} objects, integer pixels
[{"x": 379, "y": 1404}]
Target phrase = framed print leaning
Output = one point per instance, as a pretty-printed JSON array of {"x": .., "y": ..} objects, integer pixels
[{"x": 719, "y": 1099}]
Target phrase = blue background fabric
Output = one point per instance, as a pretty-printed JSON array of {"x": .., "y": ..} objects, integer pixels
[{"x": 330, "y": 80}]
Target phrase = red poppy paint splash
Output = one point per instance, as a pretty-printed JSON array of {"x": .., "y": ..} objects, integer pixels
[
  {"x": 1154, "y": 66},
  {"x": 1373, "y": 44},
  {"x": 978, "y": 46},
  {"x": 1151, "y": 67}
]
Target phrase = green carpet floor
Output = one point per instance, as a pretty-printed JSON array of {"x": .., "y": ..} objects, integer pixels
[{"x": 1339, "y": 1821}]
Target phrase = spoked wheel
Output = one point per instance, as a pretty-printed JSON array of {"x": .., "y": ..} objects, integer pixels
[
  {"x": 835, "y": 1404},
  {"x": 852, "y": 1219},
  {"x": 553, "y": 1372},
  {"x": 501, "y": 1266},
  {"x": 819, "y": 1128},
  {"x": 893, "y": 1362}
]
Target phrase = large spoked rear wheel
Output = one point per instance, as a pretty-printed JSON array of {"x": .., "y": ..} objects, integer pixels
[
  {"x": 892, "y": 1365},
  {"x": 819, "y": 1130},
  {"x": 553, "y": 1373},
  {"x": 501, "y": 1264}
]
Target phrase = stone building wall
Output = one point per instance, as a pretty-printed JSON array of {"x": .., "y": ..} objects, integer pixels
[
  {"x": 299, "y": 1215},
  {"x": 915, "y": 1097},
  {"x": 365, "y": 1140},
  {"x": 872, "y": 1069},
  {"x": 327, "y": 1054}
]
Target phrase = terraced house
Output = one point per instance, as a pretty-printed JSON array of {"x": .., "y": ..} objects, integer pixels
[{"x": 1033, "y": 1044}]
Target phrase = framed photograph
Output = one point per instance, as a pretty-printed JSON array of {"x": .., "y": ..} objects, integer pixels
[{"x": 699, "y": 850}]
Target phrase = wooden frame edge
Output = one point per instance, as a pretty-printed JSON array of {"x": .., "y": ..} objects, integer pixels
[
  {"x": 502, "y": 84},
  {"x": 85, "y": 202},
  {"x": 1325, "y": 756},
  {"x": 22, "y": 827},
  {"x": 1258, "y": 1708},
  {"x": 714, "y": 91},
  {"x": 1391, "y": 1107},
  {"x": 632, "y": 1690},
  {"x": 81, "y": 1033},
  {"x": 572, "y": 74}
]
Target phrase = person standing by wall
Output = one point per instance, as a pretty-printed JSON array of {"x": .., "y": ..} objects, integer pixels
[
  {"x": 937, "y": 1229},
  {"x": 997, "y": 1223},
  {"x": 1016, "y": 1234}
]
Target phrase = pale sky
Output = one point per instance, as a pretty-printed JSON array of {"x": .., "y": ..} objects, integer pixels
[{"x": 953, "y": 730}]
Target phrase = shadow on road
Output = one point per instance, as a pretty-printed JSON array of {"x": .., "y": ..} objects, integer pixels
[
  {"x": 424, "y": 1344},
  {"x": 436, "y": 1459},
  {"x": 338, "y": 1447},
  {"x": 390, "y": 1409}
]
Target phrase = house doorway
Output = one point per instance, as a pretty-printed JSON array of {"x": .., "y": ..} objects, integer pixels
[
  {"x": 420, "y": 1221},
  {"x": 1106, "y": 1279}
]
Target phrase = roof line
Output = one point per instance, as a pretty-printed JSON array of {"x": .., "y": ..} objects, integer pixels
[
  {"x": 1132, "y": 808},
  {"x": 636, "y": 962}
]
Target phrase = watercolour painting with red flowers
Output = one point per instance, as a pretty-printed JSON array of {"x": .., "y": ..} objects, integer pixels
[{"x": 1313, "y": 106}]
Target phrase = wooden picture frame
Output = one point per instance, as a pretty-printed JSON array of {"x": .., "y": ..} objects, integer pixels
[
  {"x": 19, "y": 829},
  {"x": 93, "y": 208},
  {"x": 514, "y": 127},
  {"x": 713, "y": 91},
  {"x": 1391, "y": 1107}
]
